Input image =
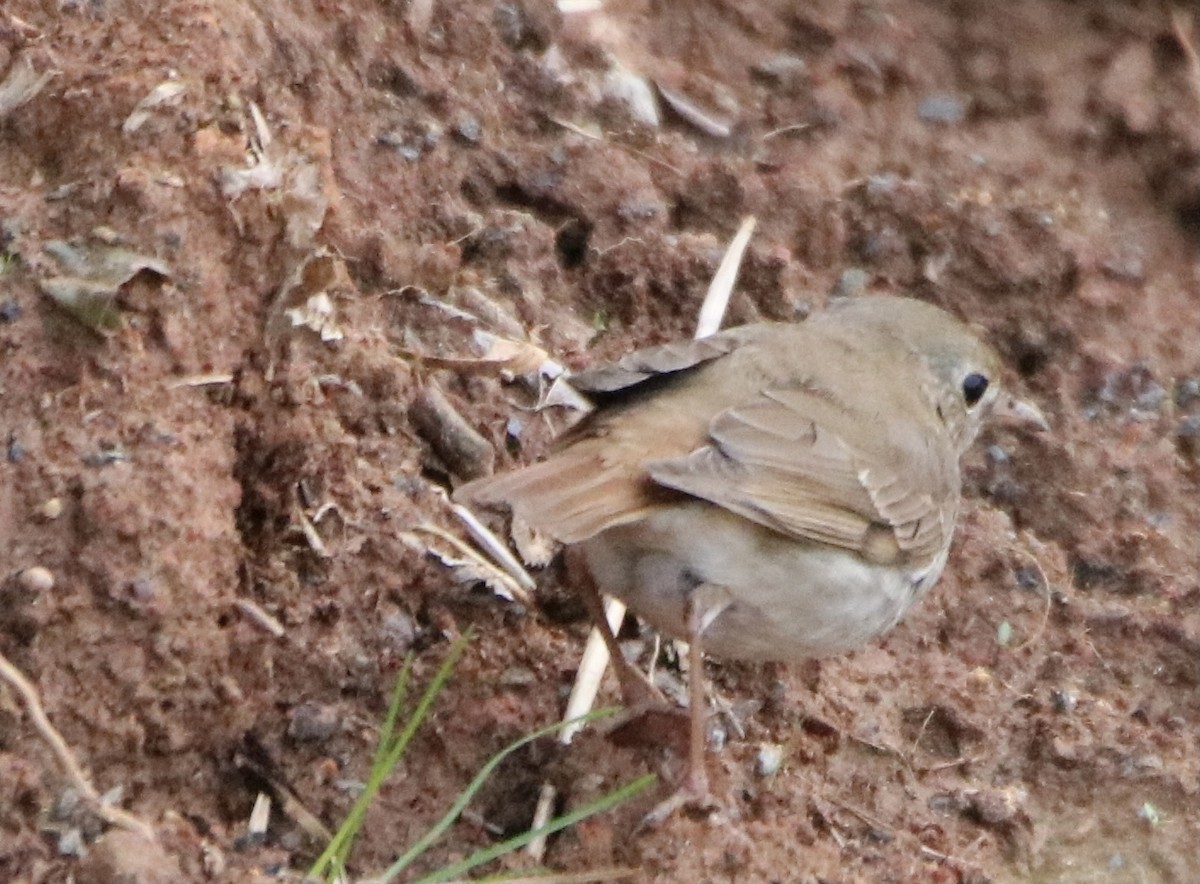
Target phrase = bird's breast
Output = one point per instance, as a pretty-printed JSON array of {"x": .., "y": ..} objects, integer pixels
[{"x": 790, "y": 600}]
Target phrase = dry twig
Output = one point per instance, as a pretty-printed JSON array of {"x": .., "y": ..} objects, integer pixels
[
  {"x": 1037, "y": 634},
  {"x": 579, "y": 130},
  {"x": 500, "y": 577},
  {"x": 114, "y": 816}
]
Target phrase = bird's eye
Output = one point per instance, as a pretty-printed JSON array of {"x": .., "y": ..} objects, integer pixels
[{"x": 974, "y": 386}]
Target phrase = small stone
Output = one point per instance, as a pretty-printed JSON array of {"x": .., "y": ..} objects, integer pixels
[
  {"x": 1189, "y": 427},
  {"x": 65, "y": 805},
  {"x": 10, "y": 311},
  {"x": 635, "y": 94},
  {"x": 882, "y": 184},
  {"x": 36, "y": 579},
  {"x": 995, "y": 807},
  {"x": 788, "y": 71},
  {"x": 513, "y": 428},
  {"x": 1151, "y": 398},
  {"x": 51, "y": 509},
  {"x": 852, "y": 282},
  {"x": 1063, "y": 702},
  {"x": 122, "y": 857},
  {"x": 212, "y": 860},
  {"x": 106, "y": 235},
  {"x": 107, "y": 454},
  {"x": 769, "y": 759},
  {"x": 1129, "y": 267},
  {"x": 1150, "y": 814},
  {"x": 997, "y": 455},
  {"x": 468, "y": 130},
  {"x": 313, "y": 723},
  {"x": 942, "y": 108},
  {"x": 980, "y": 678},
  {"x": 1028, "y": 577},
  {"x": 716, "y": 737},
  {"x": 518, "y": 677},
  {"x": 1187, "y": 392},
  {"x": 397, "y": 631},
  {"x": 70, "y": 843}
]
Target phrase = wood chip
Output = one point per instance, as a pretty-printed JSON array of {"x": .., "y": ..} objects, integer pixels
[{"x": 463, "y": 450}]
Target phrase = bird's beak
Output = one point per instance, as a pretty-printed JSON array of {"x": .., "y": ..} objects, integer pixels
[{"x": 1016, "y": 412}]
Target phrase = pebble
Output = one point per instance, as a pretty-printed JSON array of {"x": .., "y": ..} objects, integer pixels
[
  {"x": 789, "y": 71},
  {"x": 853, "y": 281},
  {"x": 36, "y": 579},
  {"x": 980, "y": 678},
  {"x": 635, "y": 94},
  {"x": 1189, "y": 427},
  {"x": 1187, "y": 392},
  {"x": 468, "y": 130},
  {"x": 997, "y": 455},
  {"x": 1064, "y": 702},
  {"x": 70, "y": 843},
  {"x": 313, "y": 723},
  {"x": 769, "y": 759},
  {"x": 1152, "y": 397},
  {"x": 518, "y": 677},
  {"x": 996, "y": 807},
  {"x": 128, "y": 858},
  {"x": 1028, "y": 577},
  {"x": 397, "y": 630},
  {"x": 941, "y": 107},
  {"x": 51, "y": 509}
]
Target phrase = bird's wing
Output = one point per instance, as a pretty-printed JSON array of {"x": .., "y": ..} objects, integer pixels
[
  {"x": 633, "y": 368},
  {"x": 779, "y": 461},
  {"x": 596, "y": 478}
]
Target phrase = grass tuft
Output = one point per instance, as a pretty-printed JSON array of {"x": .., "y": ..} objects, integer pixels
[{"x": 333, "y": 862}]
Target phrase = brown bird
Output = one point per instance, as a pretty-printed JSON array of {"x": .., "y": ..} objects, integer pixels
[{"x": 772, "y": 492}]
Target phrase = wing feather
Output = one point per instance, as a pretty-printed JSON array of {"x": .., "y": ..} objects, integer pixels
[{"x": 779, "y": 462}]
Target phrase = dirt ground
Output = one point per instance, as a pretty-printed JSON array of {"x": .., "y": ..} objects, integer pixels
[{"x": 281, "y": 211}]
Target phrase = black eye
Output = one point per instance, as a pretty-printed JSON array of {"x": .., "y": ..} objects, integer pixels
[{"x": 974, "y": 386}]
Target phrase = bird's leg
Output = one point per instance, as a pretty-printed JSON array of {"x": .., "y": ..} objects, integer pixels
[
  {"x": 705, "y": 604},
  {"x": 695, "y": 781},
  {"x": 637, "y": 692}
]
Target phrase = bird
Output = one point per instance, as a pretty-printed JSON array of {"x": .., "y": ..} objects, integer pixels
[{"x": 778, "y": 491}]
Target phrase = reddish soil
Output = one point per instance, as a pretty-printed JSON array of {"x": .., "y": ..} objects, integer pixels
[{"x": 1032, "y": 166}]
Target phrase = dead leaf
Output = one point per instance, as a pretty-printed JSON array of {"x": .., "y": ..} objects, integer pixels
[
  {"x": 21, "y": 85},
  {"x": 499, "y": 355},
  {"x": 317, "y": 314},
  {"x": 165, "y": 94},
  {"x": 306, "y": 299},
  {"x": 92, "y": 279}
]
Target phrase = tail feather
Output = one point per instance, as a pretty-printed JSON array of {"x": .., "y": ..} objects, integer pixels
[{"x": 571, "y": 497}]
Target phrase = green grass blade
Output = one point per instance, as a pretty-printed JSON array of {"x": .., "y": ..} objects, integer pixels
[
  {"x": 399, "y": 695},
  {"x": 487, "y": 854},
  {"x": 388, "y": 753},
  {"x": 397, "y": 749},
  {"x": 464, "y": 798}
]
